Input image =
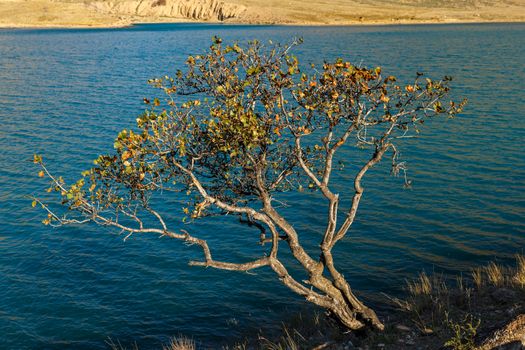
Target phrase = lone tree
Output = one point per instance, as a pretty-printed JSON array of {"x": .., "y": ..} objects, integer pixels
[{"x": 238, "y": 126}]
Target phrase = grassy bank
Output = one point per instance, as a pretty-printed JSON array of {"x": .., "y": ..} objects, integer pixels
[{"x": 483, "y": 310}]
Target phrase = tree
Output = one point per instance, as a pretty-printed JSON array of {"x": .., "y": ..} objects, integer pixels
[{"x": 240, "y": 125}]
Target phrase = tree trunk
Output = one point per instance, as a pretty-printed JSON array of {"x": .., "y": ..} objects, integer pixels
[{"x": 354, "y": 314}]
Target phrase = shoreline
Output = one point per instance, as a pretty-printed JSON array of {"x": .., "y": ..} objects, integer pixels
[
  {"x": 284, "y": 24},
  {"x": 36, "y": 14}
]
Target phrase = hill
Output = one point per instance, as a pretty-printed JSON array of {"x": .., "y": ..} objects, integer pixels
[{"x": 108, "y": 13}]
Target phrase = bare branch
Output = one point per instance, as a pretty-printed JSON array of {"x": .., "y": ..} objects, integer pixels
[{"x": 376, "y": 158}]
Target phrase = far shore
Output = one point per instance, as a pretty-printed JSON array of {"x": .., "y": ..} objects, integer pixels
[
  {"x": 185, "y": 21},
  {"x": 125, "y": 13}
]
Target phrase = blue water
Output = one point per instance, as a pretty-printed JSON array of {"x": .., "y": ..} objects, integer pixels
[{"x": 66, "y": 93}]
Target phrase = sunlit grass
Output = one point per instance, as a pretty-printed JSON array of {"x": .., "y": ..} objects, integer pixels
[
  {"x": 180, "y": 343},
  {"x": 519, "y": 275},
  {"x": 420, "y": 286},
  {"x": 495, "y": 274},
  {"x": 477, "y": 277}
]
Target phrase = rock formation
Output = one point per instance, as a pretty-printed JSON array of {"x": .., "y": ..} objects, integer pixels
[
  {"x": 204, "y": 10},
  {"x": 510, "y": 337}
]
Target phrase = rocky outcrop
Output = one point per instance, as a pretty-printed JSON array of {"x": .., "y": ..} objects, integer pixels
[
  {"x": 510, "y": 337},
  {"x": 206, "y": 10}
]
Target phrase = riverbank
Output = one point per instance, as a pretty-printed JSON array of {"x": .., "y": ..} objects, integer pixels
[
  {"x": 122, "y": 13},
  {"x": 482, "y": 311}
]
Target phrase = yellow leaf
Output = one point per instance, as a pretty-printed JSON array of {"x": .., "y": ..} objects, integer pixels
[
  {"x": 33, "y": 204},
  {"x": 126, "y": 155},
  {"x": 41, "y": 173}
]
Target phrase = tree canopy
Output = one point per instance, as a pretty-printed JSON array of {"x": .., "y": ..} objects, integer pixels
[{"x": 239, "y": 125}]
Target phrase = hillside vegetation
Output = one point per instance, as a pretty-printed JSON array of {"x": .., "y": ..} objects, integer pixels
[{"x": 108, "y": 13}]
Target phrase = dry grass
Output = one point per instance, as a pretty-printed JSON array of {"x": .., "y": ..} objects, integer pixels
[
  {"x": 460, "y": 284},
  {"x": 286, "y": 342},
  {"x": 453, "y": 312},
  {"x": 421, "y": 286},
  {"x": 495, "y": 274},
  {"x": 477, "y": 277},
  {"x": 519, "y": 275},
  {"x": 315, "y": 331},
  {"x": 500, "y": 276},
  {"x": 425, "y": 287},
  {"x": 180, "y": 343}
]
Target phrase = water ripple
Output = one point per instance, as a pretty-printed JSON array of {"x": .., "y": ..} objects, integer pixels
[{"x": 66, "y": 93}]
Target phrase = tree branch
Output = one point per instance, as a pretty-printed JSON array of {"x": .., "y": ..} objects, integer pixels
[{"x": 376, "y": 158}]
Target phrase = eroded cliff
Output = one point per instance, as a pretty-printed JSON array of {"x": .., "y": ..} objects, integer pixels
[{"x": 204, "y": 10}]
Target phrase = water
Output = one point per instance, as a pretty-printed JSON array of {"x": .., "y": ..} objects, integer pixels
[{"x": 66, "y": 93}]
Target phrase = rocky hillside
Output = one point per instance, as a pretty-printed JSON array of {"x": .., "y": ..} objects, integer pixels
[
  {"x": 108, "y": 13},
  {"x": 203, "y": 10}
]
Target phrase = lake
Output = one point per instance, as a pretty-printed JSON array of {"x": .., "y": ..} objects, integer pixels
[{"x": 67, "y": 93}]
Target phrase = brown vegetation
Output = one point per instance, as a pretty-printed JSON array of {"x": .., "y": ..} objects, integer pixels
[
  {"x": 482, "y": 312},
  {"x": 485, "y": 311}
]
